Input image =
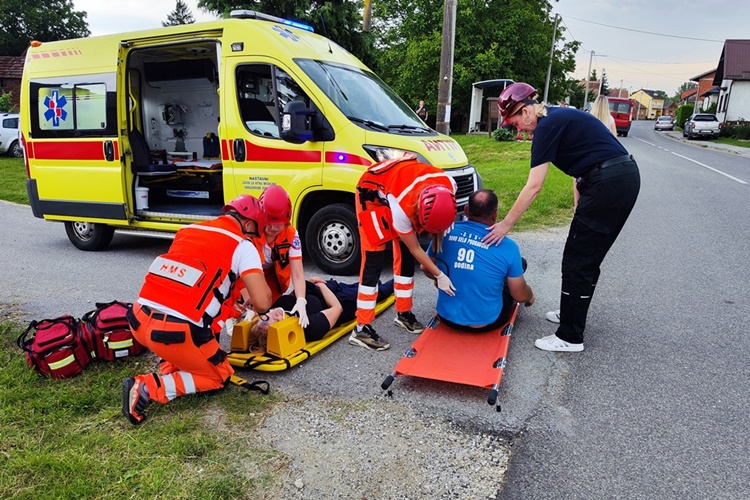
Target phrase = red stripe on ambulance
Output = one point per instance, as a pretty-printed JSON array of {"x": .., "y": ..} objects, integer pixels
[{"x": 67, "y": 150}]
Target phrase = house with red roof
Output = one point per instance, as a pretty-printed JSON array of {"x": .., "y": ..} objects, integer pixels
[
  {"x": 11, "y": 71},
  {"x": 733, "y": 79}
]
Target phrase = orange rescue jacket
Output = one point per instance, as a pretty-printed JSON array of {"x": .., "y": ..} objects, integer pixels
[
  {"x": 404, "y": 178},
  {"x": 196, "y": 270}
]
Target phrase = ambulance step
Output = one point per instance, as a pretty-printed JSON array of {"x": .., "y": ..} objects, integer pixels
[{"x": 149, "y": 234}]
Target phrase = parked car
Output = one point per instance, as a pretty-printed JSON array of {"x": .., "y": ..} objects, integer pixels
[
  {"x": 701, "y": 125},
  {"x": 9, "y": 142},
  {"x": 664, "y": 123}
]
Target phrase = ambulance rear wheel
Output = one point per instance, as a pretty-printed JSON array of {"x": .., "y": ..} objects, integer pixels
[
  {"x": 332, "y": 240},
  {"x": 88, "y": 235}
]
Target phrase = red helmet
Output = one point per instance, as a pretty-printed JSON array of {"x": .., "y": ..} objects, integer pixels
[
  {"x": 514, "y": 94},
  {"x": 276, "y": 204},
  {"x": 437, "y": 209},
  {"x": 248, "y": 207}
]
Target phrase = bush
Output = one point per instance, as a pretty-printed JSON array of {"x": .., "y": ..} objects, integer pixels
[
  {"x": 504, "y": 134},
  {"x": 683, "y": 113},
  {"x": 736, "y": 130},
  {"x": 5, "y": 102}
]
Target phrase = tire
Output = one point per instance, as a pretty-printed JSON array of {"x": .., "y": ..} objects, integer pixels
[
  {"x": 332, "y": 240},
  {"x": 624, "y": 134},
  {"x": 89, "y": 236},
  {"x": 16, "y": 150}
]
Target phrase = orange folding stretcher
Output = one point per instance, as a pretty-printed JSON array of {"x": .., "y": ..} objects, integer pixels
[{"x": 442, "y": 353}]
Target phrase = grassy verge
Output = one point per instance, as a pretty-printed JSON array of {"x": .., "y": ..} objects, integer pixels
[
  {"x": 504, "y": 167},
  {"x": 733, "y": 142},
  {"x": 13, "y": 180},
  {"x": 67, "y": 438}
]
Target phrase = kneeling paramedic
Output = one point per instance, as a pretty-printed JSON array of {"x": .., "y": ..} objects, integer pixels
[{"x": 182, "y": 294}]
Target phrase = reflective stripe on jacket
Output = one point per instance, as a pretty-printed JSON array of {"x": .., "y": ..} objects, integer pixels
[{"x": 194, "y": 277}]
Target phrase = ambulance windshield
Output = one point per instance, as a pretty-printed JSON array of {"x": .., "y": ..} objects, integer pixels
[{"x": 364, "y": 98}]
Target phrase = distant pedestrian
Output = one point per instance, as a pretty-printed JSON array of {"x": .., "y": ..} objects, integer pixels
[{"x": 421, "y": 111}]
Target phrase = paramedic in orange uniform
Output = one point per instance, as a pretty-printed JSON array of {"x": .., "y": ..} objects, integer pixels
[
  {"x": 180, "y": 298},
  {"x": 281, "y": 250},
  {"x": 396, "y": 200}
]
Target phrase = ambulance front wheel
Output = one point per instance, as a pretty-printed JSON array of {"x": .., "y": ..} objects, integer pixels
[
  {"x": 88, "y": 235},
  {"x": 332, "y": 240}
]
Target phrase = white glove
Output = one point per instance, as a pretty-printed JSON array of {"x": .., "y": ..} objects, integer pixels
[
  {"x": 301, "y": 309},
  {"x": 445, "y": 284}
]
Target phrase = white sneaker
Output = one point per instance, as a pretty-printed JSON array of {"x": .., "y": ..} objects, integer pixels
[
  {"x": 553, "y": 316},
  {"x": 553, "y": 343}
]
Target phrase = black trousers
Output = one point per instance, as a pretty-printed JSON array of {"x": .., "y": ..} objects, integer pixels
[{"x": 607, "y": 197}]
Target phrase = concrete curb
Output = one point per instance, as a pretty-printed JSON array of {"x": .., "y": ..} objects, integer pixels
[{"x": 726, "y": 148}]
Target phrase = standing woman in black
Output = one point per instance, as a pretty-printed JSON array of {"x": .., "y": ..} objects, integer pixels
[{"x": 606, "y": 185}]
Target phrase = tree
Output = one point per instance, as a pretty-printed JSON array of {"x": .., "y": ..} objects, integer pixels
[
  {"x": 682, "y": 88},
  {"x": 493, "y": 39},
  {"x": 604, "y": 88},
  {"x": 44, "y": 20},
  {"x": 575, "y": 92},
  {"x": 338, "y": 20},
  {"x": 180, "y": 15}
]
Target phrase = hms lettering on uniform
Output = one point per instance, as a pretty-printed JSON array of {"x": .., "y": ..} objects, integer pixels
[{"x": 175, "y": 271}]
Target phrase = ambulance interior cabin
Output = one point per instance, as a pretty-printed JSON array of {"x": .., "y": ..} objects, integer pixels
[{"x": 173, "y": 119}]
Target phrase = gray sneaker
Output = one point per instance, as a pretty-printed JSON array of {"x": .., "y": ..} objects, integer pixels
[
  {"x": 408, "y": 322},
  {"x": 368, "y": 339}
]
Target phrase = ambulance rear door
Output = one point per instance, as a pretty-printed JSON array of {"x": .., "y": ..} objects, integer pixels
[{"x": 74, "y": 149}]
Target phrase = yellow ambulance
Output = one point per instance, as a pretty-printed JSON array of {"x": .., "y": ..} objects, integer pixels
[{"x": 152, "y": 130}]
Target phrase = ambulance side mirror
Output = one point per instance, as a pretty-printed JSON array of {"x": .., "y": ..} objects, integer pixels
[{"x": 300, "y": 124}]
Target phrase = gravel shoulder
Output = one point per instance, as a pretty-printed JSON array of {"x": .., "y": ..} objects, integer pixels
[{"x": 379, "y": 449}]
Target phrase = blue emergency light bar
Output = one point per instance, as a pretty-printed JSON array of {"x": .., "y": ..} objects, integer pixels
[{"x": 252, "y": 14}]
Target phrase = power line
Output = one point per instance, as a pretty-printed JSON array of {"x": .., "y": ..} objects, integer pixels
[{"x": 647, "y": 32}]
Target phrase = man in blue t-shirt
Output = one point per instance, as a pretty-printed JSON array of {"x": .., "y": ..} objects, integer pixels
[{"x": 489, "y": 277}]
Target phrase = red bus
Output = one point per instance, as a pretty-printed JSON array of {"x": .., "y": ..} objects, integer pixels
[{"x": 621, "y": 110}]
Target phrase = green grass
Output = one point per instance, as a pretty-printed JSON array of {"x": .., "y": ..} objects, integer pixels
[
  {"x": 13, "y": 180},
  {"x": 67, "y": 438},
  {"x": 733, "y": 142},
  {"x": 504, "y": 167}
]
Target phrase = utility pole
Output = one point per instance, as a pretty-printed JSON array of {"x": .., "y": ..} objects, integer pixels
[
  {"x": 620, "y": 93},
  {"x": 551, "y": 55},
  {"x": 445, "y": 86},
  {"x": 366, "y": 16},
  {"x": 588, "y": 75}
]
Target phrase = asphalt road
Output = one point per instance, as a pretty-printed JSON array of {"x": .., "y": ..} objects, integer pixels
[{"x": 654, "y": 408}]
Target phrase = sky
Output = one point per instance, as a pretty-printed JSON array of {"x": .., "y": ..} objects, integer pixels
[
  {"x": 683, "y": 39},
  {"x": 654, "y": 45}
]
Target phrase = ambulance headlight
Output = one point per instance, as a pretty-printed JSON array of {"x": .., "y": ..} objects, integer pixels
[{"x": 382, "y": 153}]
